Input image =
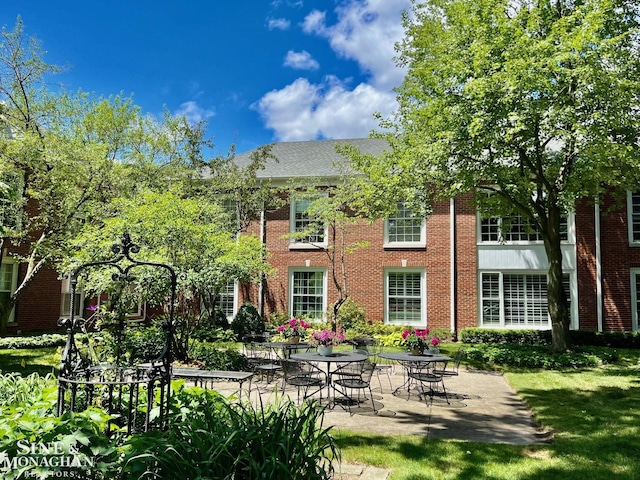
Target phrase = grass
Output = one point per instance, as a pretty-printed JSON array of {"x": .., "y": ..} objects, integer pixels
[
  {"x": 26, "y": 361},
  {"x": 593, "y": 415}
]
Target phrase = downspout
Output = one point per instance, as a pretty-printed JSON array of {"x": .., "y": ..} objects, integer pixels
[
  {"x": 263, "y": 231},
  {"x": 452, "y": 267},
  {"x": 598, "y": 266}
]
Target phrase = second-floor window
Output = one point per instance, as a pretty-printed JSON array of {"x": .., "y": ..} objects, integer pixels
[
  {"x": 633, "y": 215},
  {"x": 515, "y": 228},
  {"x": 404, "y": 229},
  {"x": 301, "y": 221}
]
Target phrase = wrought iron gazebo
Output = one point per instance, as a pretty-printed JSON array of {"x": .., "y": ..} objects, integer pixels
[{"x": 136, "y": 395}]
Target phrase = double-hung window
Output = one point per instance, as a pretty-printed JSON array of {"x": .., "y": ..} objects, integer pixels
[
  {"x": 635, "y": 297},
  {"x": 8, "y": 283},
  {"x": 516, "y": 300},
  {"x": 404, "y": 229},
  {"x": 226, "y": 299},
  {"x": 405, "y": 297},
  {"x": 308, "y": 293},
  {"x": 305, "y": 229}
]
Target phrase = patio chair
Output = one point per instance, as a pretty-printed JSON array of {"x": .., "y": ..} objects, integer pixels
[
  {"x": 261, "y": 360},
  {"x": 358, "y": 383},
  {"x": 453, "y": 371},
  {"x": 353, "y": 369},
  {"x": 425, "y": 377},
  {"x": 303, "y": 376},
  {"x": 381, "y": 368}
]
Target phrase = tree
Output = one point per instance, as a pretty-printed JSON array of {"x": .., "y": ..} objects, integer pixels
[
  {"x": 191, "y": 235},
  {"x": 337, "y": 209},
  {"x": 534, "y": 101},
  {"x": 65, "y": 157}
]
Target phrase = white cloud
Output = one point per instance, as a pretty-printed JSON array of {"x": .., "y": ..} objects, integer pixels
[
  {"x": 365, "y": 32},
  {"x": 304, "y": 111},
  {"x": 278, "y": 24},
  {"x": 193, "y": 112},
  {"x": 300, "y": 60}
]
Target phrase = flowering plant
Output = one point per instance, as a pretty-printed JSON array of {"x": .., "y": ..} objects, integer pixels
[
  {"x": 419, "y": 339},
  {"x": 293, "y": 328},
  {"x": 325, "y": 337}
]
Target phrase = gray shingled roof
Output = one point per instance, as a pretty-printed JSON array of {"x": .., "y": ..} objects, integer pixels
[{"x": 315, "y": 158}]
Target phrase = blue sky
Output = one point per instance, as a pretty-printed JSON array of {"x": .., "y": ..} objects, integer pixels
[{"x": 257, "y": 71}]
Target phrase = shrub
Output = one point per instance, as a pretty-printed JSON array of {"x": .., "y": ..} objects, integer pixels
[
  {"x": 532, "y": 356},
  {"x": 213, "y": 357},
  {"x": 246, "y": 321},
  {"x": 211, "y": 331},
  {"x": 34, "y": 341},
  {"x": 210, "y": 437},
  {"x": 139, "y": 343},
  {"x": 351, "y": 316}
]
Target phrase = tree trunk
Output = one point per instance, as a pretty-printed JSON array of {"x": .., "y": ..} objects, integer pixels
[{"x": 556, "y": 296}]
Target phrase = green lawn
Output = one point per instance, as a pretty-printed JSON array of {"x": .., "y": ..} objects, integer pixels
[{"x": 30, "y": 360}]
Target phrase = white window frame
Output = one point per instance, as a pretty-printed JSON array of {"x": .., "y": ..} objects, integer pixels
[
  {"x": 630, "y": 217},
  {"x": 304, "y": 243},
  {"x": 14, "y": 284},
  {"x": 421, "y": 243},
  {"x": 292, "y": 273},
  {"x": 635, "y": 298},
  {"x": 503, "y": 323},
  {"x": 234, "y": 300},
  {"x": 501, "y": 241},
  {"x": 65, "y": 291},
  {"x": 423, "y": 296}
]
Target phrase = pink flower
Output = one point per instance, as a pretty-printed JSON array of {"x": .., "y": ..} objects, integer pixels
[
  {"x": 435, "y": 341},
  {"x": 405, "y": 334}
]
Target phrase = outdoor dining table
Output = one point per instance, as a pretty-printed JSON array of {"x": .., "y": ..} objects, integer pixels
[
  {"x": 285, "y": 348},
  {"x": 337, "y": 357},
  {"x": 410, "y": 361}
]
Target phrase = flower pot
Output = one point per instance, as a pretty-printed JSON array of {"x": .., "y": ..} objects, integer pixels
[
  {"x": 416, "y": 351},
  {"x": 294, "y": 339},
  {"x": 325, "y": 350}
]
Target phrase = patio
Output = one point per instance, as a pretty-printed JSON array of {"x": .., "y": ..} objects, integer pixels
[{"x": 483, "y": 408}]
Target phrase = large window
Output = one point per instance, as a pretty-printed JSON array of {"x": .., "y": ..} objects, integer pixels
[
  {"x": 633, "y": 214},
  {"x": 8, "y": 280},
  {"x": 308, "y": 293},
  {"x": 516, "y": 300},
  {"x": 405, "y": 297},
  {"x": 515, "y": 228},
  {"x": 301, "y": 221},
  {"x": 404, "y": 229}
]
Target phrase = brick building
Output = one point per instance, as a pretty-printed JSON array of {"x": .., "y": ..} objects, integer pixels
[{"x": 451, "y": 270}]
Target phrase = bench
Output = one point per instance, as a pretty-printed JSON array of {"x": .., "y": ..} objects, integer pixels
[{"x": 201, "y": 376}]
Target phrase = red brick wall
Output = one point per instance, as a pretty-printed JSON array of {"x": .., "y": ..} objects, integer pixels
[
  {"x": 586, "y": 265},
  {"x": 365, "y": 267},
  {"x": 466, "y": 264}
]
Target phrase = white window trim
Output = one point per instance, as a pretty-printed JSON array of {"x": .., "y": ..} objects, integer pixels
[
  {"x": 292, "y": 271},
  {"x": 14, "y": 285},
  {"x": 502, "y": 325},
  {"x": 65, "y": 288},
  {"x": 422, "y": 243},
  {"x": 571, "y": 234},
  {"x": 635, "y": 321},
  {"x": 423, "y": 295},
  {"x": 630, "y": 220},
  {"x": 235, "y": 302},
  {"x": 298, "y": 244}
]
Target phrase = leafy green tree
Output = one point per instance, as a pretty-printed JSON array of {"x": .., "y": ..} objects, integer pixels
[
  {"x": 65, "y": 157},
  {"x": 534, "y": 101},
  {"x": 189, "y": 234}
]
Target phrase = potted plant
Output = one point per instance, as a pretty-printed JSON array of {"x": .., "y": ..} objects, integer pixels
[
  {"x": 418, "y": 340},
  {"x": 293, "y": 330},
  {"x": 325, "y": 340}
]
